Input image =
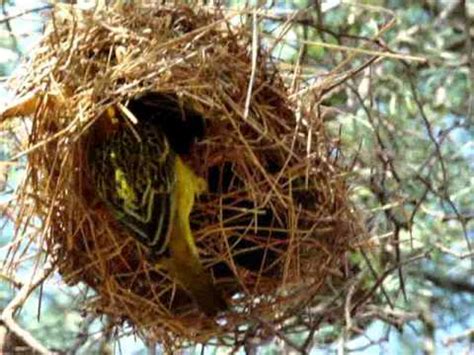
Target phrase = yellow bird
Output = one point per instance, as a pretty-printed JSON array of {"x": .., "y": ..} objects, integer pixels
[{"x": 150, "y": 190}]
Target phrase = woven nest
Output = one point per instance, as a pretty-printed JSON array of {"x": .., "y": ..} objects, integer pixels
[{"x": 273, "y": 226}]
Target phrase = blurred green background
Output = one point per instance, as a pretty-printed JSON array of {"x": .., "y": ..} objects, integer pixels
[{"x": 405, "y": 127}]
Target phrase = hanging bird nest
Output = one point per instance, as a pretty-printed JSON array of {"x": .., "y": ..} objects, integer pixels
[{"x": 275, "y": 222}]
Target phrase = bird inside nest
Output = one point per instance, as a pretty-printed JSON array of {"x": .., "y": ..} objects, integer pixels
[{"x": 139, "y": 174}]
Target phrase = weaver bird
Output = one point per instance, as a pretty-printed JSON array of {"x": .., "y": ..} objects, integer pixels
[{"x": 150, "y": 191}]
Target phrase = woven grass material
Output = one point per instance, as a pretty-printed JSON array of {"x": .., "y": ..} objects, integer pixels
[{"x": 273, "y": 227}]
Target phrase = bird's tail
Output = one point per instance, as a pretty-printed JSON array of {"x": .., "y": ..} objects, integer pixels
[{"x": 186, "y": 268}]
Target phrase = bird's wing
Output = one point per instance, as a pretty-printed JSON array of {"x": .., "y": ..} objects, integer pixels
[{"x": 142, "y": 168}]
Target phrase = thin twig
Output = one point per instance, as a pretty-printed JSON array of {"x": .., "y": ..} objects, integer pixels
[
  {"x": 25, "y": 12},
  {"x": 255, "y": 46},
  {"x": 468, "y": 334}
]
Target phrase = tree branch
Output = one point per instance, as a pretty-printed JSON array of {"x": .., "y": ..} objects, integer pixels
[{"x": 16, "y": 303}]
